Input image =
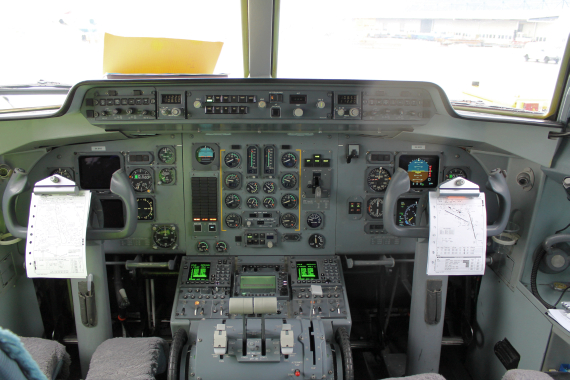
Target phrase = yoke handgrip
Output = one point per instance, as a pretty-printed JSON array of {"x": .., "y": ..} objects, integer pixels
[
  {"x": 400, "y": 184},
  {"x": 17, "y": 184},
  {"x": 121, "y": 186},
  {"x": 498, "y": 184}
]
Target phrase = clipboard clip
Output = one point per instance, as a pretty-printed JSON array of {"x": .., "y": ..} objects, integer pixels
[
  {"x": 458, "y": 187},
  {"x": 55, "y": 184}
]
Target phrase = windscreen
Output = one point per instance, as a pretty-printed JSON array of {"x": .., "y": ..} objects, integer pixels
[{"x": 482, "y": 53}]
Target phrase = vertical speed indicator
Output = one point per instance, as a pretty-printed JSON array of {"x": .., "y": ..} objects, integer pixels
[
  {"x": 269, "y": 160},
  {"x": 252, "y": 160}
]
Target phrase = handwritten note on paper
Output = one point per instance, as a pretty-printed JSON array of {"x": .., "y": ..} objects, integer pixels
[
  {"x": 56, "y": 235},
  {"x": 458, "y": 235}
]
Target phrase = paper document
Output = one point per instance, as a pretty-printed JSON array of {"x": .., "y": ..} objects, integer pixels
[
  {"x": 56, "y": 235},
  {"x": 560, "y": 316},
  {"x": 457, "y": 235}
]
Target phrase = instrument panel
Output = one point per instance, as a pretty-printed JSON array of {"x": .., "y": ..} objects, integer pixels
[{"x": 236, "y": 187}]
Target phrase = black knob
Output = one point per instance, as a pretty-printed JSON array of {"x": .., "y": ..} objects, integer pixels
[
  {"x": 145, "y": 112},
  {"x": 116, "y": 111},
  {"x": 131, "y": 111}
]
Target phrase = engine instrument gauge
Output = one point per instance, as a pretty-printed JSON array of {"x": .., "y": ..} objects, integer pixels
[
  {"x": 205, "y": 155},
  {"x": 232, "y": 201},
  {"x": 252, "y": 187},
  {"x": 145, "y": 208},
  {"x": 232, "y": 159},
  {"x": 289, "y": 160},
  {"x": 269, "y": 202},
  {"x": 141, "y": 180},
  {"x": 314, "y": 220},
  {"x": 167, "y": 176},
  {"x": 289, "y": 220},
  {"x": 65, "y": 173},
  {"x": 269, "y": 160},
  {"x": 252, "y": 202},
  {"x": 221, "y": 246},
  {"x": 455, "y": 173},
  {"x": 232, "y": 181},
  {"x": 233, "y": 221},
  {"x": 252, "y": 160},
  {"x": 378, "y": 179},
  {"x": 269, "y": 187},
  {"x": 166, "y": 155},
  {"x": 317, "y": 241},
  {"x": 202, "y": 246},
  {"x": 374, "y": 207},
  {"x": 165, "y": 236},
  {"x": 289, "y": 201},
  {"x": 289, "y": 181}
]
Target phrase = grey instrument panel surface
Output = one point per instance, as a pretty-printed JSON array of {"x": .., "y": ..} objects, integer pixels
[{"x": 342, "y": 232}]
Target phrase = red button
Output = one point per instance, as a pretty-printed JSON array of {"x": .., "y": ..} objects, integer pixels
[{"x": 297, "y": 372}]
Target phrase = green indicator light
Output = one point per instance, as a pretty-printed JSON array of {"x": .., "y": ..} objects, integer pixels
[{"x": 136, "y": 176}]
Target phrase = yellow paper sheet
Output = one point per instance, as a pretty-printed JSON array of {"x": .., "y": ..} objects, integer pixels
[{"x": 145, "y": 55}]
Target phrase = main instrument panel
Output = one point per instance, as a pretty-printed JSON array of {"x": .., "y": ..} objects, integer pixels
[{"x": 228, "y": 168}]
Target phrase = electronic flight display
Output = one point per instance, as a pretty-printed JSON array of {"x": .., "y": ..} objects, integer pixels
[
  {"x": 95, "y": 172},
  {"x": 422, "y": 170},
  {"x": 307, "y": 270},
  {"x": 406, "y": 212},
  {"x": 199, "y": 272}
]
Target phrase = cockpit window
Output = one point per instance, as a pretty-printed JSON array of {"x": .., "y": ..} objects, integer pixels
[
  {"x": 61, "y": 41},
  {"x": 501, "y": 55}
]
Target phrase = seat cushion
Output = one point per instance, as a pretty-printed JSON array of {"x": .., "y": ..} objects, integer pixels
[
  {"x": 14, "y": 350},
  {"x": 128, "y": 358},
  {"x": 50, "y": 356},
  {"x": 423, "y": 376},
  {"x": 527, "y": 374}
]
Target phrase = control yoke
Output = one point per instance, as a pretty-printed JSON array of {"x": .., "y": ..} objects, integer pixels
[
  {"x": 120, "y": 186},
  {"x": 400, "y": 184}
]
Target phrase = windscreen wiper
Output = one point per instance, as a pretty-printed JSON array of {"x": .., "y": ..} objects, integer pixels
[
  {"x": 40, "y": 88},
  {"x": 478, "y": 104}
]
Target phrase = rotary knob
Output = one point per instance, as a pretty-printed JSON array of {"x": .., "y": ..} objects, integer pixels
[
  {"x": 340, "y": 112},
  {"x": 131, "y": 111},
  {"x": 261, "y": 104},
  {"x": 320, "y": 104},
  {"x": 297, "y": 112},
  {"x": 175, "y": 112},
  {"x": 354, "y": 112},
  {"x": 197, "y": 104},
  {"x": 116, "y": 111}
]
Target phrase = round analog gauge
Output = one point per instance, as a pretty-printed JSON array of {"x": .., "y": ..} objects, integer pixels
[
  {"x": 252, "y": 187},
  {"x": 166, "y": 155},
  {"x": 289, "y": 220},
  {"x": 232, "y": 181},
  {"x": 269, "y": 187},
  {"x": 65, "y": 173},
  {"x": 252, "y": 202},
  {"x": 202, "y": 246},
  {"x": 232, "y": 201},
  {"x": 289, "y": 181},
  {"x": 233, "y": 221},
  {"x": 165, "y": 236},
  {"x": 232, "y": 160},
  {"x": 141, "y": 179},
  {"x": 167, "y": 176},
  {"x": 314, "y": 220},
  {"x": 289, "y": 160},
  {"x": 317, "y": 241},
  {"x": 269, "y": 202},
  {"x": 378, "y": 179},
  {"x": 374, "y": 207},
  {"x": 289, "y": 201},
  {"x": 221, "y": 246},
  {"x": 145, "y": 208},
  {"x": 205, "y": 155},
  {"x": 410, "y": 214},
  {"x": 456, "y": 172}
]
